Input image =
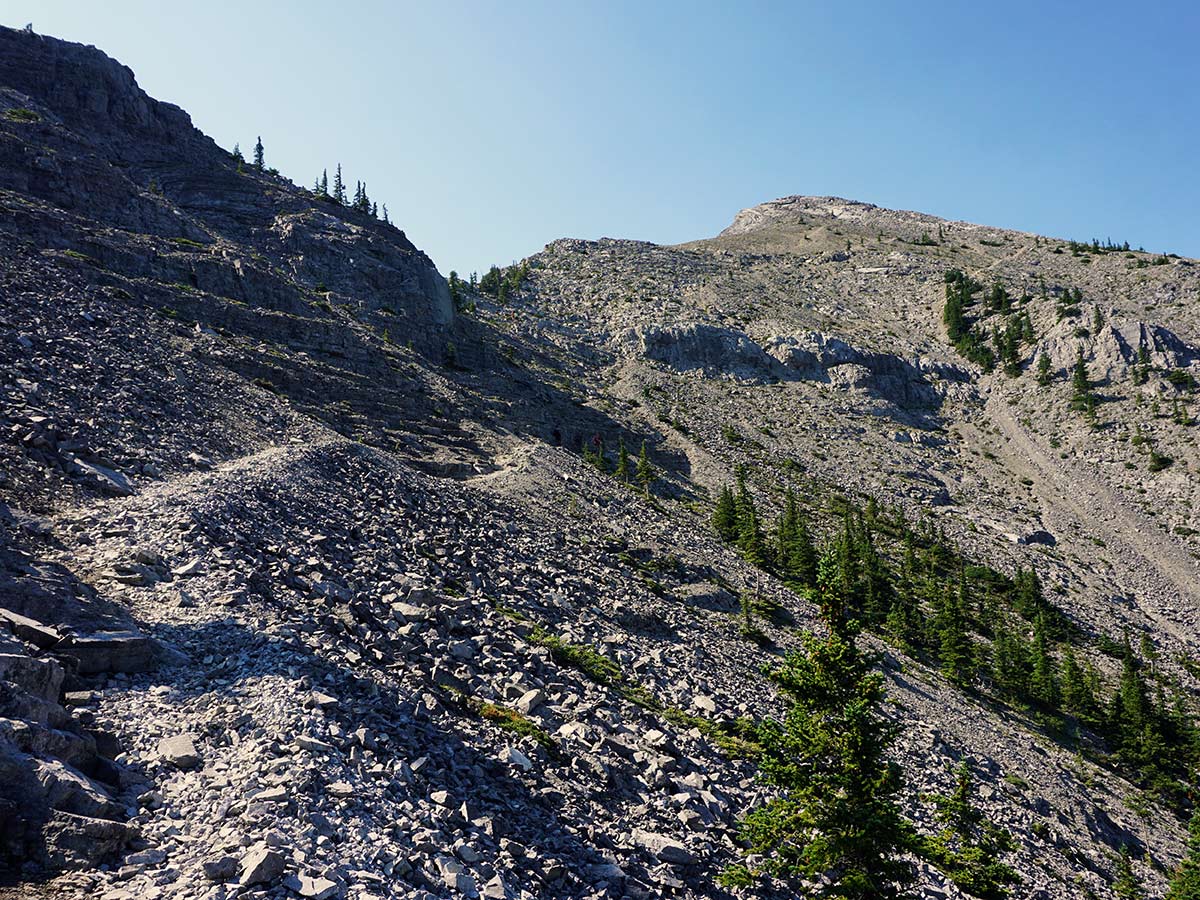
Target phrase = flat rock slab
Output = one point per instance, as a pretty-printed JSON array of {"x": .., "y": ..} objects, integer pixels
[
  {"x": 27, "y": 629},
  {"x": 260, "y": 866},
  {"x": 180, "y": 751},
  {"x": 109, "y": 651},
  {"x": 665, "y": 848},
  {"x": 317, "y": 888}
]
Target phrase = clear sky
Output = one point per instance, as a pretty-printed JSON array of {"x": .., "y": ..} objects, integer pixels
[{"x": 491, "y": 128}]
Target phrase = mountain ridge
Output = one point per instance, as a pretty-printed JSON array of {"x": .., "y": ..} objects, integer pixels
[{"x": 319, "y": 578}]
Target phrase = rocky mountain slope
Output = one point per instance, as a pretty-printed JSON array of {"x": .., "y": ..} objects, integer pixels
[{"x": 308, "y": 591}]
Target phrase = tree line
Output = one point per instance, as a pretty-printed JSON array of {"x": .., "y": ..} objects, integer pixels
[{"x": 986, "y": 632}]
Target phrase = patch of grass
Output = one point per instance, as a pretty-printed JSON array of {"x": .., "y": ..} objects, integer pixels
[
  {"x": 512, "y": 720},
  {"x": 595, "y": 666},
  {"x": 23, "y": 115},
  {"x": 1158, "y": 461},
  {"x": 188, "y": 243},
  {"x": 733, "y": 740},
  {"x": 510, "y": 613}
]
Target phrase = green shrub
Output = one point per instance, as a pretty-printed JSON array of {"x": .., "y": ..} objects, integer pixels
[{"x": 21, "y": 114}]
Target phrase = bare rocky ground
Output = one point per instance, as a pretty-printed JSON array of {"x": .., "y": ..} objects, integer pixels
[{"x": 307, "y": 592}]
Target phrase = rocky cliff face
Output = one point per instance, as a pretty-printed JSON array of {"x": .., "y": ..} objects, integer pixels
[
  {"x": 305, "y": 589},
  {"x": 85, "y": 141}
]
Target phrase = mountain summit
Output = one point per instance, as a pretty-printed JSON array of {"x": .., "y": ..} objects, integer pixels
[{"x": 323, "y": 576}]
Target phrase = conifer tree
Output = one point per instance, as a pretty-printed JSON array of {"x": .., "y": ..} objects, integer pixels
[
  {"x": 956, "y": 657},
  {"x": 325, "y": 183},
  {"x": 386, "y": 220},
  {"x": 803, "y": 556},
  {"x": 878, "y": 595},
  {"x": 904, "y": 621},
  {"x": 836, "y": 814},
  {"x": 237, "y": 155},
  {"x": 645, "y": 470},
  {"x": 794, "y": 552},
  {"x": 1126, "y": 884},
  {"x": 1043, "y": 370},
  {"x": 1043, "y": 677},
  {"x": 1011, "y": 661},
  {"x": 623, "y": 469},
  {"x": 969, "y": 848},
  {"x": 1081, "y": 387},
  {"x": 725, "y": 515},
  {"x": 1077, "y": 694},
  {"x": 258, "y": 154},
  {"x": 847, "y": 557},
  {"x": 1185, "y": 883},
  {"x": 339, "y": 187},
  {"x": 1129, "y": 711},
  {"x": 750, "y": 537}
]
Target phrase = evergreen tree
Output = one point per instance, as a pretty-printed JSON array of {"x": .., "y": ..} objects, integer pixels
[
  {"x": 325, "y": 183},
  {"x": 802, "y": 558},
  {"x": 846, "y": 549},
  {"x": 1081, "y": 386},
  {"x": 969, "y": 848},
  {"x": 794, "y": 552},
  {"x": 750, "y": 537},
  {"x": 956, "y": 657},
  {"x": 339, "y": 186},
  {"x": 1011, "y": 661},
  {"x": 1130, "y": 715},
  {"x": 645, "y": 470},
  {"x": 237, "y": 155},
  {"x": 623, "y": 470},
  {"x": 386, "y": 220},
  {"x": 1126, "y": 884},
  {"x": 905, "y": 619},
  {"x": 836, "y": 814},
  {"x": 1027, "y": 333},
  {"x": 1043, "y": 676},
  {"x": 1185, "y": 883},
  {"x": 258, "y": 154},
  {"x": 725, "y": 515},
  {"x": 593, "y": 453},
  {"x": 878, "y": 595},
  {"x": 1078, "y": 696},
  {"x": 1043, "y": 370}
]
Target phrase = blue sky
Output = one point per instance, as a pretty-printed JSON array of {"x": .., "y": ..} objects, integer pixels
[{"x": 492, "y": 128}]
